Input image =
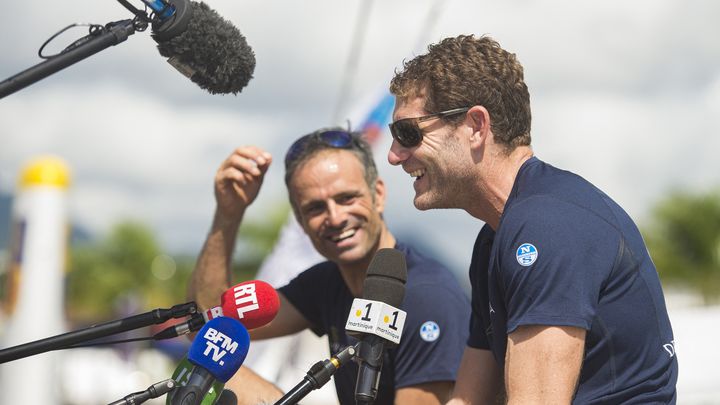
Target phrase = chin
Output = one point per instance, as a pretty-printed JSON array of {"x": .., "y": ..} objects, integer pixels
[
  {"x": 421, "y": 206},
  {"x": 423, "y": 203},
  {"x": 357, "y": 253}
]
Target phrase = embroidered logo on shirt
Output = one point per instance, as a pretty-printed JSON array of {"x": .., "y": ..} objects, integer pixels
[
  {"x": 526, "y": 254},
  {"x": 670, "y": 348},
  {"x": 430, "y": 331}
]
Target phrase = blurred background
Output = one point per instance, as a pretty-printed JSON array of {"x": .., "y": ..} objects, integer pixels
[{"x": 626, "y": 94}]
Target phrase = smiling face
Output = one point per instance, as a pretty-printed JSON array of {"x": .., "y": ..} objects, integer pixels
[
  {"x": 337, "y": 208},
  {"x": 439, "y": 164}
]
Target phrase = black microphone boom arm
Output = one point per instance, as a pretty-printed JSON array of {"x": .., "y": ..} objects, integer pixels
[
  {"x": 113, "y": 34},
  {"x": 66, "y": 340}
]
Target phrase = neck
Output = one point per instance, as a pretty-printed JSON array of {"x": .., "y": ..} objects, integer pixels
[
  {"x": 495, "y": 180},
  {"x": 354, "y": 273}
]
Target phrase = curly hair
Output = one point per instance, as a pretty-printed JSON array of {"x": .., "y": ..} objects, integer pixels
[{"x": 465, "y": 71}]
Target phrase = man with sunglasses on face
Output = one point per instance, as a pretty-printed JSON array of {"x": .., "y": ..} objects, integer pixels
[
  {"x": 566, "y": 302},
  {"x": 338, "y": 199}
]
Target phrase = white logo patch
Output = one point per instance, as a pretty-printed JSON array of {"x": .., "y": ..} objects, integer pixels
[
  {"x": 430, "y": 331},
  {"x": 526, "y": 254}
]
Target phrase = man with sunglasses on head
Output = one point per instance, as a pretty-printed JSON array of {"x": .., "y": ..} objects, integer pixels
[
  {"x": 566, "y": 302},
  {"x": 338, "y": 199}
]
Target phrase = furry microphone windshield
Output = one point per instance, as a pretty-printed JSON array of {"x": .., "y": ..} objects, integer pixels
[{"x": 205, "y": 47}]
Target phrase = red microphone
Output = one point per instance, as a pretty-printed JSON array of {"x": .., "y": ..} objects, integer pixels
[{"x": 254, "y": 303}]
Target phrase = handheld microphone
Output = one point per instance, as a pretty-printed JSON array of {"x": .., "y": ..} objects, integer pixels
[
  {"x": 181, "y": 376},
  {"x": 203, "y": 46},
  {"x": 376, "y": 320},
  {"x": 217, "y": 352},
  {"x": 254, "y": 303}
]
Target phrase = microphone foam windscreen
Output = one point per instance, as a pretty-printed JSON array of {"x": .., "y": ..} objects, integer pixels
[
  {"x": 211, "y": 51},
  {"x": 254, "y": 303},
  {"x": 386, "y": 276},
  {"x": 220, "y": 347}
]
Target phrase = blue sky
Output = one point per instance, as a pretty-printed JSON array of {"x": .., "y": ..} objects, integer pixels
[{"x": 626, "y": 94}]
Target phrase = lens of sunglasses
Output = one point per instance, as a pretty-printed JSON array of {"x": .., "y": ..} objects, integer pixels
[
  {"x": 335, "y": 139},
  {"x": 406, "y": 132}
]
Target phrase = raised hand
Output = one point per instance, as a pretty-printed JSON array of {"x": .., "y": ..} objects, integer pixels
[{"x": 238, "y": 181}]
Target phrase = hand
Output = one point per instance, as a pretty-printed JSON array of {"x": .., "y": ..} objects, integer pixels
[{"x": 238, "y": 181}]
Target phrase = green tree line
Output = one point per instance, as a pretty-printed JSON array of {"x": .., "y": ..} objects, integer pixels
[
  {"x": 129, "y": 265},
  {"x": 683, "y": 237}
]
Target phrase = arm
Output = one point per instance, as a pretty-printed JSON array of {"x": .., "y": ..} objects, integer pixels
[
  {"x": 543, "y": 363},
  {"x": 287, "y": 321},
  {"x": 237, "y": 183},
  {"x": 251, "y": 389},
  {"x": 479, "y": 379}
]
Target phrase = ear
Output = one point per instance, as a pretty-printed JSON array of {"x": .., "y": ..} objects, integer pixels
[
  {"x": 478, "y": 118},
  {"x": 380, "y": 195}
]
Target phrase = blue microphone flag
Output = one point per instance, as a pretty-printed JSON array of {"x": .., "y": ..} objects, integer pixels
[{"x": 220, "y": 347}]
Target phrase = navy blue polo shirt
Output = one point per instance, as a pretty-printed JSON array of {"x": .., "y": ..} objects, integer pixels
[
  {"x": 433, "y": 338},
  {"x": 565, "y": 254}
]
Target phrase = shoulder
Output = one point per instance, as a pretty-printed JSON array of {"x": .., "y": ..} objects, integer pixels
[{"x": 542, "y": 190}]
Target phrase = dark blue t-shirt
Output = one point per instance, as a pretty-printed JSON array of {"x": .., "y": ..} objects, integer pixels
[
  {"x": 565, "y": 254},
  {"x": 433, "y": 337}
]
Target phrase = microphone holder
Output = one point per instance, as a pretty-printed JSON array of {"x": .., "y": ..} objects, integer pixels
[
  {"x": 66, "y": 340},
  {"x": 154, "y": 391},
  {"x": 317, "y": 376}
]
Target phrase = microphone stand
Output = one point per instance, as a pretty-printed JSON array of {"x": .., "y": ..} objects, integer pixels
[
  {"x": 370, "y": 354},
  {"x": 113, "y": 34},
  {"x": 317, "y": 376},
  {"x": 65, "y": 340},
  {"x": 154, "y": 391}
]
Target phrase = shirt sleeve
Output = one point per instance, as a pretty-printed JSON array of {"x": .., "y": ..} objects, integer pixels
[
  {"x": 554, "y": 258},
  {"x": 434, "y": 335}
]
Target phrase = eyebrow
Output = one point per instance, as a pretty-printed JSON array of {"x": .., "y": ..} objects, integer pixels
[{"x": 342, "y": 194}]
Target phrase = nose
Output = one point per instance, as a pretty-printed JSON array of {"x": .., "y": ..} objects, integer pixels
[
  {"x": 397, "y": 153},
  {"x": 335, "y": 216}
]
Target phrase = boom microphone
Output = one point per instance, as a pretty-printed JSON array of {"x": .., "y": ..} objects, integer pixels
[
  {"x": 254, "y": 303},
  {"x": 217, "y": 353},
  {"x": 376, "y": 320},
  {"x": 203, "y": 46},
  {"x": 196, "y": 40}
]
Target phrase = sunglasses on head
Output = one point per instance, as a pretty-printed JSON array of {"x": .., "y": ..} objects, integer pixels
[
  {"x": 334, "y": 139},
  {"x": 407, "y": 132}
]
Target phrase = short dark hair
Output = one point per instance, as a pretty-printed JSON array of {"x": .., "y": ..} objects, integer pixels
[
  {"x": 313, "y": 143},
  {"x": 465, "y": 71}
]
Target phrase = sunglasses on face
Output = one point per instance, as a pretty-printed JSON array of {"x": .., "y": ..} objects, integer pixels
[
  {"x": 334, "y": 139},
  {"x": 407, "y": 132}
]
